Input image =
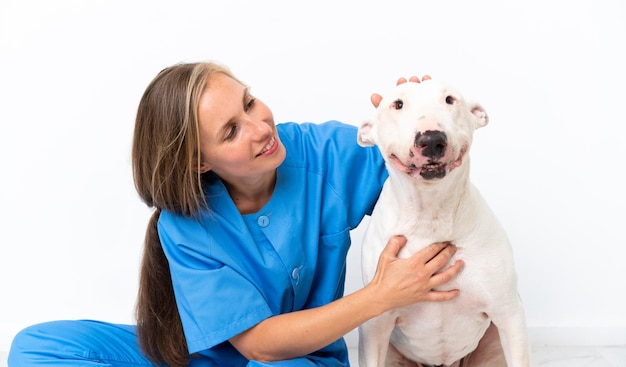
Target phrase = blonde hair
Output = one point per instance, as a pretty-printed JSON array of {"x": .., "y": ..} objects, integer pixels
[
  {"x": 166, "y": 145},
  {"x": 166, "y": 170}
]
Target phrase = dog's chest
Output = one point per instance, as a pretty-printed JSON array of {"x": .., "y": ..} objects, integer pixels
[
  {"x": 439, "y": 213},
  {"x": 466, "y": 221}
]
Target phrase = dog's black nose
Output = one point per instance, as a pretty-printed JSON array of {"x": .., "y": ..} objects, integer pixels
[{"x": 431, "y": 143}]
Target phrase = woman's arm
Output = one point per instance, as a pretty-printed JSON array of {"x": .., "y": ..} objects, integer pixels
[{"x": 396, "y": 283}]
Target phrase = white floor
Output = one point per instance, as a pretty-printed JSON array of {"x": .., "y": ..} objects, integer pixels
[
  {"x": 547, "y": 356},
  {"x": 542, "y": 357}
]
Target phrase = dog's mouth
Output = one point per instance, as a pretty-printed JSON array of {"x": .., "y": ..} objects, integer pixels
[{"x": 428, "y": 171}]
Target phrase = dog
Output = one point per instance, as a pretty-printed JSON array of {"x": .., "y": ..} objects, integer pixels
[{"x": 424, "y": 132}]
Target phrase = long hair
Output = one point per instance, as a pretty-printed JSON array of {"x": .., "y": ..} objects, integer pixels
[{"x": 166, "y": 170}]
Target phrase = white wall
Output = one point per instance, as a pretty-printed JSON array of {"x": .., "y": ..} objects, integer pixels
[{"x": 551, "y": 161}]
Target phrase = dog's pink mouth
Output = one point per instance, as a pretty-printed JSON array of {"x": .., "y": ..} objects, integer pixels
[{"x": 428, "y": 171}]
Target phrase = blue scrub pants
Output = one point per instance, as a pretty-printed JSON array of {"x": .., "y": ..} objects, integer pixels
[
  {"x": 76, "y": 343},
  {"x": 87, "y": 343}
]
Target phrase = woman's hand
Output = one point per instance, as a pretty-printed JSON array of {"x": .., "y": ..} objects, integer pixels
[
  {"x": 401, "y": 282},
  {"x": 397, "y": 282},
  {"x": 413, "y": 79},
  {"x": 376, "y": 98}
]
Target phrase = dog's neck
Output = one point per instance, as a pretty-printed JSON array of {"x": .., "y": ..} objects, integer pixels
[{"x": 435, "y": 207}]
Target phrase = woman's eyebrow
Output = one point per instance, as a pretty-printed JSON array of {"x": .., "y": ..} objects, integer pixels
[{"x": 246, "y": 94}]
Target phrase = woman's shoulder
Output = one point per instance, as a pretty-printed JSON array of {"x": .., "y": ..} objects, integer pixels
[
  {"x": 328, "y": 128},
  {"x": 327, "y": 147},
  {"x": 177, "y": 224},
  {"x": 308, "y": 140}
]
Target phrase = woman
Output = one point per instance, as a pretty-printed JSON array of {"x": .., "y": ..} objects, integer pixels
[{"x": 244, "y": 259}]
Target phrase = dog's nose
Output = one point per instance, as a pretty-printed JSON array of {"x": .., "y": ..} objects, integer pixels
[{"x": 431, "y": 143}]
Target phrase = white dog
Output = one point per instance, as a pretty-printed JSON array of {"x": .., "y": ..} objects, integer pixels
[{"x": 424, "y": 131}]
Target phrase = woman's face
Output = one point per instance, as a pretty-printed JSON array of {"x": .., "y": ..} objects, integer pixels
[{"x": 237, "y": 133}]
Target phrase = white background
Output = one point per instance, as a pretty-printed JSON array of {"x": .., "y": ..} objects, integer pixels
[{"x": 550, "y": 74}]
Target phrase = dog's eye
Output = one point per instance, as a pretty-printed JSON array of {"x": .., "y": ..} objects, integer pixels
[
  {"x": 397, "y": 104},
  {"x": 450, "y": 100}
]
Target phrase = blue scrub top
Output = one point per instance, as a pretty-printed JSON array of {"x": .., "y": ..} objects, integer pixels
[{"x": 232, "y": 271}]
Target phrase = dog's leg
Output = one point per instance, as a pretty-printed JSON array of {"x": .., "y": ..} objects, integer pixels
[
  {"x": 513, "y": 334},
  {"x": 515, "y": 342},
  {"x": 374, "y": 340}
]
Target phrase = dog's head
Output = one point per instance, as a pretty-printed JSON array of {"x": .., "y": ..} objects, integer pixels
[{"x": 423, "y": 129}]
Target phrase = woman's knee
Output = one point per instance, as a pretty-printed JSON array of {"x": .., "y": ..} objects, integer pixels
[
  {"x": 73, "y": 340},
  {"x": 46, "y": 339},
  {"x": 28, "y": 343}
]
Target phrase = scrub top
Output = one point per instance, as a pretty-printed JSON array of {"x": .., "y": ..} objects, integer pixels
[{"x": 232, "y": 271}]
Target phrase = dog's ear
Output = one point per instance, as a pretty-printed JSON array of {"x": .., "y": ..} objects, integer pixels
[
  {"x": 479, "y": 112},
  {"x": 365, "y": 136}
]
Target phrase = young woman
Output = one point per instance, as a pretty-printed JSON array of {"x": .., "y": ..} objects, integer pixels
[{"x": 245, "y": 254}]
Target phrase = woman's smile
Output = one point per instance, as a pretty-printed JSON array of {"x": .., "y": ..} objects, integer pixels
[{"x": 270, "y": 148}]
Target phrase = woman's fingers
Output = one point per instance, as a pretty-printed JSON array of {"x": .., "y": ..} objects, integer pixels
[
  {"x": 375, "y": 98},
  {"x": 413, "y": 79},
  {"x": 441, "y": 296},
  {"x": 393, "y": 247},
  {"x": 447, "y": 275},
  {"x": 435, "y": 255},
  {"x": 404, "y": 281},
  {"x": 401, "y": 81}
]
